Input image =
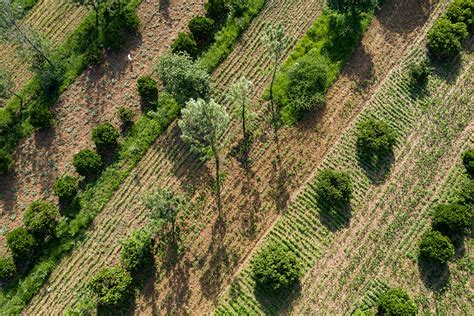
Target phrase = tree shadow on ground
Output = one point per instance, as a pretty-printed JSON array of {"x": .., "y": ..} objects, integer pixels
[
  {"x": 376, "y": 169},
  {"x": 404, "y": 16},
  {"x": 144, "y": 282},
  {"x": 435, "y": 277},
  {"x": 448, "y": 71},
  {"x": 277, "y": 303},
  {"x": 175, "y": 302},
  {"x": 8, "y": 192},
  {"x": 253, "y": 203},
  {"x": 279, "y": 178},
  {"x": 334, "y": 218}
]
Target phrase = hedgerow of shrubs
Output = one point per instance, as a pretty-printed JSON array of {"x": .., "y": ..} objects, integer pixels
[
  {"x": 87, "y": 163},
  {"x": 41, "y": 218},
  {"x": 7, "y": 268},
  {"x": 436, "y": 248},
  {"x": 375, "y": 139},
  {"x": 22, "y": 244},
  {"x": 112, "y": 287},
  {"x": 452, "y": 219},
  {"x": 105, "y": 136},
  {"x": 148, "y": 90},
  {"x": 444, "y": 40},
  {"x": 136, "y": 250},
  {"x": 65, "y": 188},
  {"x": 276, "y": 269},
  {"x": 397, "y": 302},
  {"x": 468, "y": 161},
  {"x": 334, "y": 188}
]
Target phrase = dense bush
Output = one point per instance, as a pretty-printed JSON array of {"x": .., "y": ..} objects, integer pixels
[
  {"x": 6, "y": 161},
  {"x": 396, "y": 302},
  {"x": 7, "y": 268},
  {"x": 276, "y": 268},
  {"x": 87, "y": 163},
  {"x": 202, "y": 29},
  {"x": 136, "y": 250},
  {"x": 375, "y": 139},
  {"x": 65, "y": 188},
  {"x": 334, "y": 188},
  {"x": 125, "y": 115},
  {"x": 444, "y": 40},
  {"x": 148, "y": 90},
  {"x": 468, "y": 161},
  {"x": 40, "y": 218},
  {"x": 419, "y": 73},
  {"x": 466, "y": 194},
  {"x": 462, "y": 11},
  {"x": 217, "y": 9},
  {"x": 40, "y": 116},
  {"x": 307, "y": 82},
  {"x": 185, "y": 43},
  {"x": 436, "y": 248},
  {"x": 105, "y": 136},
  {"x": 22, "y": 244},
  {"x": 112, "y": 287},
  {"x": 452, "y": 219},
  {"x": 351, "y": 5},
  {"x": 238, "y": 7}
]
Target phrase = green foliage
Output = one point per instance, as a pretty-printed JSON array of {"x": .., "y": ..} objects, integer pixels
[
  {"x": 105, "y": 136},
  {"x": 352, "y": 5},
  {"x": 6, "y": 161},
  {"x": 66, "y": 188},
  {"x": 7, "y": 268},
  {"x": 396, "y": 302},
  {"x": 22, "y": 244},
  {"x": 276, "y": 268},
  {"x": 40, "y": 116},
  {"x": 444, "y": 40},
  {"x": 217, "y": 9},
  {"x": 182, "y": 78},
  {"x": 334, "y": 188},
  {"x": 375, "y": 139},
  {"x": 125, "y": 115},
  {"x": 136, "y": 250},
  {"x": 468, "y": 161},
  {"x": 185, "y": 43},
  {"x": 238, "y": 7},
  {"x": 87, "y": 163},
  {"x": 419, "y": 73},
  {"x": 452, "y": 219},
  {"x": 164, "y": 206},
  {"x": 112, "y": 286},
  {"x": 148, "y": 90},
  {"x": 436, "y": 248},
  {"x": 466, "y": 194},
  {"x": 26, "y": 5},
  {"x": 41, "y": 218},
  {"x": 202, "y": 30},
  {"x": 462, "y": 11}
]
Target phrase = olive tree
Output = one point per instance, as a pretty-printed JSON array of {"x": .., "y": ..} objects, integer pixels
[
  {"x": 202, "y": 125},
  {"x": 240, "y": 93}
]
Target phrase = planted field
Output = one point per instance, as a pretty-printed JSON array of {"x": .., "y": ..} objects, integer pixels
[{"x": 214, "y": 249}]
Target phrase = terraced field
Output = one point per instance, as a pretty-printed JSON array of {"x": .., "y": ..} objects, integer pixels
[
  {"x": 214, "y": 249},
  {"x": 387, "y": 215},
  {"x": 54, "y": 19}
]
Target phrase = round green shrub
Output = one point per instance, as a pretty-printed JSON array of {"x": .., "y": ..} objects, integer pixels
[
  {"x": 462, "y": 11},
  {"x": 148, "y": 90},
  {"x": 468, "y": 161},
  {"x": 436, "y": 248},
  {"x": 217, "y": 9},
  {"x": 65, "y": 188},
  {"x": 185, "y": 43},
  {"x": 202, "y": 29},
  {"x": 87, "y": 163},
  {"x": 466, "y": 194},
  {"x": 7, "y": 268},
  {"x": 6, "y": 161},
  {"x": 334, "y": 188},
  {"x": 375, "y": 138},
  {"x": 136, "y": 250},
  {"x": 397, "y": 302},
  {"x": 444, "y": 40},
  {"x": 40, "y": 116},
  {"x": 40, "y": 218},
  {"x": 21, "y": 243},
  {"x": 125, "y": 115},
  {"x": 419, "y": 73},
  {"x": 276, "y": 269},
  {"x": 105, "y": 136},
  {"x": 112, "y": 286},
  {"x": 452, "y": 219}
]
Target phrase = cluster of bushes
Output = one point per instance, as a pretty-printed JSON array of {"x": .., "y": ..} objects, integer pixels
[{"x": 445, "y": 39}]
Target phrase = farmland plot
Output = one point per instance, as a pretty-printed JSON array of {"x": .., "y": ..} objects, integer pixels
[{"x": 213, "y": 251}]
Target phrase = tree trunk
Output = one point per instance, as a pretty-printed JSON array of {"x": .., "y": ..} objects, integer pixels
[
  {"x": 272, "y": 104},
  {"x": 218, "y": 180},
  {"x": 244, "y": 130}
]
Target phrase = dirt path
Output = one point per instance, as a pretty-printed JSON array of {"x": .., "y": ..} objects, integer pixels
[{"x": 215, "y": 250}]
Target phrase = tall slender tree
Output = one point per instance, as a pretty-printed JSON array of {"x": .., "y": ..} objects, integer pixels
[
  {"x": 202, "y": 126},
  {"x": 240, "y": 93}
]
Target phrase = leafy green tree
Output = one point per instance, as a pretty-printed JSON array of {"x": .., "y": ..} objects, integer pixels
[
  {"x": 436, "y": 248},
  {"x": 375, "y": 139},
  {"x": 182, "y": 78},
  {"x": 397, "y": 302},
  {"x": 217, "y": 9},
  {"x": 462, "y": 11},
  {"x": 202, "y": 29},
  {"x": 466, "y": 194},
  {"x": 468, "y": 161},
  {"x": 6, "y": 161},
  {"x": 240, "y": 93},
  {"x": 202, "y": 125},
  {"x": 148, "y": 90},
  {"x": 334, "y": 188},
  {"x": 185, "y": 43},
  {"x": 419, "y": 73},
  {"x": 41, "y": 218},
  {"x": 87, "y": 163},
  {"x": 444, "y": 40},
  {"x": 136, "y": 250},
  {"x": 452, "y": 219},
  {"x": 40, "y": 116},
  {"x": 238, "y": 7},
  {"x": 112, "y": 286},
  {"x": 105, "y": 136},
  {"x": 22, "y": 244},
  {"x": 276, "y": 268},
  {"x": 66, "y": 188},
  {"x": 7, "y": 268},
  {"x": 125, "y": 115},
  {"x": 7, "y": 86}
]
